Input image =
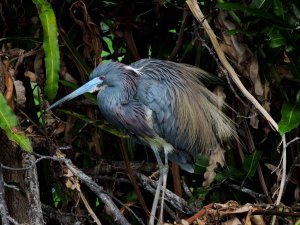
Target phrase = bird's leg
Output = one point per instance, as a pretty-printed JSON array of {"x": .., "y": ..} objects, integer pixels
[
  {"x": 164, "y": 172},
  {"x": 158, "y": 188}
]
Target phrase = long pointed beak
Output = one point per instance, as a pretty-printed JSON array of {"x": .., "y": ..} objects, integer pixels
[{"x": 91, "y": 86}]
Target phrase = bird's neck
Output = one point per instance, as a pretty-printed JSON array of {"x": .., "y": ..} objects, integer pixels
[{"x": 129, "y": 86}]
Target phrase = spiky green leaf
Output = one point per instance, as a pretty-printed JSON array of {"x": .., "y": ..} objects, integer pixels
[
  {"x": 50, "y": 45},
  {"x": 8, "y": 122}
]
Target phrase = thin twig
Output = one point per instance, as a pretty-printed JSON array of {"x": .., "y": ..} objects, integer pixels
[
  {"x": 186, "y": 189},
  {"x": 88, "y": 207},
  {"x": 292, "y": 141},
  {"x": 223, "y": 71},
  {"x": 257, "y": 196},
  {"x": 179, "y": 41},
  {"x": 28, "y": 167}
]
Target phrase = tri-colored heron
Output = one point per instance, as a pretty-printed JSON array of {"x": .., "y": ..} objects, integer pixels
[{"x": 165, "y": 105}]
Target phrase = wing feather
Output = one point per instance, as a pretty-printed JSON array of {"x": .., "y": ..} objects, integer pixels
[{"x": 186, "y": 111}]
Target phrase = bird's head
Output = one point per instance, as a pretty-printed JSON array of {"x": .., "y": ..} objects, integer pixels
[
  {"x": 110, "y": 73},
  {"x": 104, "y": 75}
]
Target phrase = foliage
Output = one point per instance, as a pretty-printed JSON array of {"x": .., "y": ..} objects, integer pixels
[
  {"x": 50, "y": 44},
  {"x": 261, "y": 39},
  {"x": 8, "y": 122},
  {"x": 290, "y": 117}
]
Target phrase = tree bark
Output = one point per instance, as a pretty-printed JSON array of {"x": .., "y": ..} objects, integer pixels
[{"x": 16, "y": 200}]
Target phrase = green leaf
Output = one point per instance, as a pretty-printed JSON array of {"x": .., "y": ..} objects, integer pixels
[
  {"x": 201, "y": 164},
  {"x": 289, "y": 48},
  {"x": 21, "y": 139},
  {"x": 276, "y": 40},
  {"x": 221, "y": 174},
  {"x": 77, "y": 115},
  {"x": 50, "y": 45},
  {"x": 278, "y": 10},
  {"x": 130, "y": 197},
  {"x": 251, "y": 163},
  {"x": 8, "y": 122},
  {"x": 298, "y": 97},
  {"x": 290, "y": 117},
  {"x": 261, "y": 4},
  {"x": 58, "y": 195},
  {"x": 230, "y": 172},
  {"x": 256, "y": 12}
]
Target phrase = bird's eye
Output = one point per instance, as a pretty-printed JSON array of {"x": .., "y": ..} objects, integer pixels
[{"x": 101, "y": 77}]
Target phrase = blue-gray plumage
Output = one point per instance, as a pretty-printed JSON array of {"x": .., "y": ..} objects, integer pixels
[{"x": 162, "y": 103}]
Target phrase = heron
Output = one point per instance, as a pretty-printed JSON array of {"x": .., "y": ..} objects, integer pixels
[{"x": 163, "y": 104}]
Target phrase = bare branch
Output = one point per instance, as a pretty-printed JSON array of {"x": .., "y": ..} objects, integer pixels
[
  {"x": 62, "y": 217},
  {"x": 32, "y": 190},
  {"x": 177, "y": 202}
]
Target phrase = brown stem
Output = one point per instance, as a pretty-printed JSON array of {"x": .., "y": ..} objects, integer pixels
[
  {"x": 180, "y": 37},
  {"x": 132, "y": 178},
  {"x": 131, "y": 44},
  {"x": 176, "y": 179}
]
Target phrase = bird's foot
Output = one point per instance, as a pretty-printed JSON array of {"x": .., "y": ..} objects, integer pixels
[{"x": 155, "y": 175}]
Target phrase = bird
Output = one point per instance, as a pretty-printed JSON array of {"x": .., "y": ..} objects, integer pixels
[{"x": 164, "y": 105}]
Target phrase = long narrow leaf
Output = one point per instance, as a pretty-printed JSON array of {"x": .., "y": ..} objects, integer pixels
[
  {"x": 50, "y": 45},
  {"x": 8, "y": 122}
]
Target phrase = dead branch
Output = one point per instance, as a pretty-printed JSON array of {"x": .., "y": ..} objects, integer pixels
[
  {"x": 257, "y": 196},
  {"x": 32, "y": 190},
  {"x": 177, "y": 202},
  {"x": 62, "y": 217},
  {"x": 98, "y": 190}
]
